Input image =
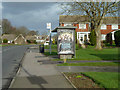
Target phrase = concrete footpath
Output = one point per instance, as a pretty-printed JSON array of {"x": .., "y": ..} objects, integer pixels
[{"x": 34, "y": 74}]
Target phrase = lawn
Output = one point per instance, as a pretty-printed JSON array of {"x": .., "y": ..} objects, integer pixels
[
  {"x": 102, "y": 79},
  {"x": 90, "y": 64},
  {"x": 105, "y": 79},
  {"x": 90, "y": 53}
]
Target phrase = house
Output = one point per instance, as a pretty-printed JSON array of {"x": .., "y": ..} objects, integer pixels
[
  {"x": 9, "y": 37},
  {"x": 110, "y": 24},
  {"x": 20, "y": 39}
]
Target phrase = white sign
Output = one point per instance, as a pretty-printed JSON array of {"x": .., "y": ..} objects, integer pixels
[{"x": 48, "y": 25}]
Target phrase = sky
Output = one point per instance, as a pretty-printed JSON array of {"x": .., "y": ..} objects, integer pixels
[{"x": 33, "y": 15}]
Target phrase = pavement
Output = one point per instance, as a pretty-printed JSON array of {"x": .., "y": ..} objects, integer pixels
[
  {"x": 35, "y": 74},
  {"x": 11, "y": 58}
]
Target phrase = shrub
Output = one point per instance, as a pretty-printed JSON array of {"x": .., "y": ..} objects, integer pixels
[
  {"x": 53, "y": 41},
  {"x": 5, "y": 41},
  {"x": 34, "y": 42},
  {"x": 109, "y": 38},
  {"x": 93, "y": 38},
  {"x": 75, "y": 36},
  {"x": 28, "y": 41},
  {"x": 117, "y": 38}
]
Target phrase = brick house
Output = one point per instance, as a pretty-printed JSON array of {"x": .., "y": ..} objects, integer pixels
[{"x": 82, "y": 23}]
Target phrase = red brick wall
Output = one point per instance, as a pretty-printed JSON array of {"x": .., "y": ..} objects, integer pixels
[
  {"x": 108, "y": 30},
  {"x": 118, "y": 26},
  {"x": 77, "y": 29}
]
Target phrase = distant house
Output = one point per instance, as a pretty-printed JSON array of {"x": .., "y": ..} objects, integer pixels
[
  {"x": 20, "y": 39},
  {"x": 9, "y": 37},
  {"x": 110, "y": 24}
]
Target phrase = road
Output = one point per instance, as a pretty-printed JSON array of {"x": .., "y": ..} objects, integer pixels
[{"x": 11, "y": 57}]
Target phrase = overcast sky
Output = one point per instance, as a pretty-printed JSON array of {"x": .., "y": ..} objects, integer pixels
[{"x": 33, "y": 15}]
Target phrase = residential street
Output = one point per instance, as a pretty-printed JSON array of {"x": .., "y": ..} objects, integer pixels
[{"x": 11, "y": 57}]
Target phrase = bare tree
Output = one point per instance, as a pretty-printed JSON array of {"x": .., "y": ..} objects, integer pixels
[
  {"x": 96, "y": 11},
  {"x": 22, "y": 30},
  {"x": 6, "y": 25},
  {"x": 32, "y": 33}
]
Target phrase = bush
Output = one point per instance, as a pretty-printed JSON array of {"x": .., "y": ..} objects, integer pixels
[
  {"x": 5, "y": 41},
  {"x": 28, "y": 41},
  {"x": 75, "y": 36},
  {"x": 117, "y": 38},
  {"x": 34, "y": 42},
  {"x": 109, "y": 38},
  {"x": 93, "y": 38}
]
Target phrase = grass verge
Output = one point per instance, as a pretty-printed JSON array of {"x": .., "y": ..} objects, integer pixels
[
  {"x": 108, "y": 80},
  {"x": 90, "y": 64}
]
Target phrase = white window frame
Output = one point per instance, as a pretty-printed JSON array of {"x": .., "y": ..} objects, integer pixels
[
  {"x": 114, "y": 26},
  {"x": 67, "y": 24},
  {"x": 103, "y": 26},
  {"x": 82, "y": 26}
]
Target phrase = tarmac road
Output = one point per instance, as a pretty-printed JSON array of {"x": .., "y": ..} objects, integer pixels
[{"x": 11, "y": 57}]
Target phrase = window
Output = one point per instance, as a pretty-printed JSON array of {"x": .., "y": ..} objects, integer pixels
[
  {"x": 103, "y": 26},
  {"x": 82, "y": 26},
  {"x": 114, "y": 26},
  {"x": 66, "y": 24}
]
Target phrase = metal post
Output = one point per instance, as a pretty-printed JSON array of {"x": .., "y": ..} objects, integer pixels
[{"x": 50, "y": 40}]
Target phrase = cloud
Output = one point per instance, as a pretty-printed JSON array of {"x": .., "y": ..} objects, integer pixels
[{"x": 32, "y": 15}]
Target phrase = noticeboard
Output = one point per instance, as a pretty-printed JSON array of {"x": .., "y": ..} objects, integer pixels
[{"x": 66, "y": 41}]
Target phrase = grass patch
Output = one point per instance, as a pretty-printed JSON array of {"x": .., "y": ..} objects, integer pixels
[
  {"x": 89, "y": 53},
  {"x": 52, "y": 46},
  {"x": 53, "y": 52},
  {"x": 105, "y": 79},
  {"x": 90, "y": 64}
]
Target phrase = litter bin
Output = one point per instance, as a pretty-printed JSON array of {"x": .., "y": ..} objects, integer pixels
[{"x": 41, "y": 48}]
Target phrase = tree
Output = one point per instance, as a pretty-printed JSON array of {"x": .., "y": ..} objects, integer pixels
[
  {"x": 32, "y": 33},
  {"x": 109, "y": 38},
  {"x": 117, "y": 38},
  {"x": 92, "y": 38},
  {"x": 22, "y": 30},
  {"x": 6, "y": 25},
  {"x": 96, "y": 11}
]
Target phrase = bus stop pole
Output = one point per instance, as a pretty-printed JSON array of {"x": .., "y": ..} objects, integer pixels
[{"x": 50, "y": 40}]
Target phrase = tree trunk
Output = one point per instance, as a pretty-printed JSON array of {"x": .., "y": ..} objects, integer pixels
[{"x": 98, "y": 38}]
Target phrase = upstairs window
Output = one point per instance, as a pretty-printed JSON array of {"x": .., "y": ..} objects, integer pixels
[
  {"x": 103, "y": 26},
  {"x": 82, "y": 26},
  {"x": 66, "y": 24},
  {"x": 114, "y": 26}
]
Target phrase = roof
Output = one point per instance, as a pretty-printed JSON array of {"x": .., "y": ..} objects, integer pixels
[
  {"x": 65, "y": 27},
  {"x": 111, "y": 20},
  {"x": 79, "y": 18},
  {"x": 73, "y": 18},
  {"x": 29, "y": 37},
  {"x": 107, "y": 31},
  {"x": 9, "y": 36},
  {"x": 20, "y": 35}
]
